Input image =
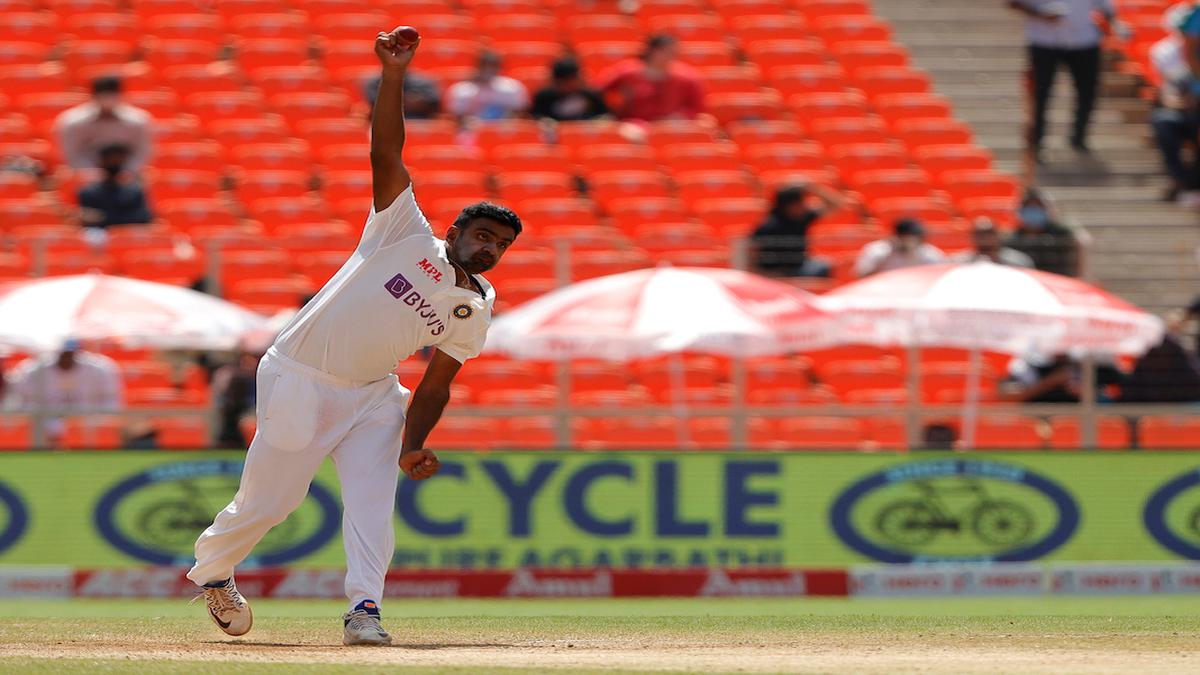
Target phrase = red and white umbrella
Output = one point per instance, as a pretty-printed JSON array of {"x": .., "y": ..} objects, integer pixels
[
  {"x": 665, "y": 310},
  {"x": 987, "y": 307},
  {"x": 39, "y": 314},
  {"x": 993, "y": 308}
]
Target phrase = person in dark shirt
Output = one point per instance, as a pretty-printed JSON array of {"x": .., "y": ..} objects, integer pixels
[
  {"x": 1165, "y": 374},
  {"x": 118, "y": 197},
  {"x": 781, "y": 241},
  {"x": 1052, "y": 245},
  {"x": 1057, "y": 379},
  {"x": 567, "y": 97}
]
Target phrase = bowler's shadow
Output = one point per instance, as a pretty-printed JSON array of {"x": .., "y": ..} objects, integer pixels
[{"x": 422, "y": 646}]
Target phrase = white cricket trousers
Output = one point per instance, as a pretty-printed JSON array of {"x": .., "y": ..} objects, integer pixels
[{"x": 304, "y": 416}]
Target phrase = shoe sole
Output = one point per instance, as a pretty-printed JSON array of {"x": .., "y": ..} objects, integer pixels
[
  {"x": 226, "y": 630},
  {"x": 367, "y": 643}
]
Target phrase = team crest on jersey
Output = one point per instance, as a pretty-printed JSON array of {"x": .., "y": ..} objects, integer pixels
[{"x": 462, "y": 312}]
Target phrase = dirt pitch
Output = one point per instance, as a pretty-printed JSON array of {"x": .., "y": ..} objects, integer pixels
[{"x": 845, "y": 643}]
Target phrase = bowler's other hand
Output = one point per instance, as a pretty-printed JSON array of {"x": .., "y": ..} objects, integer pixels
[{"x": 419, "y": 464}]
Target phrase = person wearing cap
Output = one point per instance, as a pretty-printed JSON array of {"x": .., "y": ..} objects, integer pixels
[
  {"x": 655, "y": 86},
  {"x": 989, "y": 248},
  {"x": 567, "y": 97},
  {"x": 72, "y": 380},
  {"x": 488, "y": 95},
  {"x": 104, "y": 121},
  {"x": 905, "y": 248},
  {"x": 780, "y": 242}
]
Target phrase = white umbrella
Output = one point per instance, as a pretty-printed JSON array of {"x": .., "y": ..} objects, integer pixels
[
  {"x": 992, "y": 307},
  {"x": 665, "y": 310},
  {"x": 39, "y": 314},
  {"x": 983, "y": 306}
]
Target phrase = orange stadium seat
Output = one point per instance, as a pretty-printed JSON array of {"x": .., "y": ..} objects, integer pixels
[
  {"x": 802, "y": 156},
  {"x": 512, "y": 157},
  {"x": 579, "y": 135},
  {"x": 550, "y": 212},
  {"x": 896, "y": 107},
  {"x": 193, "y": 26},
  {"x": 112, "y": 26},
  {"x": 738, "y": 79},
  {"x": 769, "y": 54},
  {"x": 539, "y": 396},
  {"x": 194, "y": 155},
  {"x": 509, "y": 31},
  {"x": 326, "y": 132},
  {"x": 706, "y": 156},
  {"x": 529, "y": 433},
  {"x": 614, "y": 156},
  {"x": 163, "y": 102},
  {"x": 673, "y": 132},
  {"x": 186, "y": 214},
  {"x": 232, "y": 8},
  {"x": 201, "y": 78},
  {"x": 757, "y": 27},
  {"x": 885, "y": 433},
  {"x": 440, "y": 24},
  {"x": 1010, "y": 432},
  {"x": 1169, "y": 432},
  {"x": 730, "y": 217},
  {"x": 182, "y": 433},
  {"x": 882, "y": 80},
  {"x": 693, "y": 186},
  {"x": 688, "y": 27},
  {"x": 851, "y": 160},
  {"x": 233, "y": 132},
  {"x": 735, "y": 107},
  {"x": 764, "y": 132},
  {"x": 1112, "y": 433},
  {"x": 815, "y": 9},
  {"x": 253, "y": 185},
  {"x": 162, "y": 54},
  {"x": 607, "y": 187},
  {"x": 891, "y": 183},
  {"x": 275, "y": 211},
  {"x": 14, "y": 53},
  {"x": 922, "y": 131},
  {"x": 590, "y": 264},
  {"x": 259, "y": 52},
  {"x": 974, "y": 184},
  {"x": 16, "y": 433},
  {"x": 421, "y": 158},
  {"x": 39, "y": 27},
  {"x": 355, "y": 25},
  {"x": 952, "y": 157},
  {"x": 841, "y": 28},
  {"x": 183, "y": 184},
  {"x": 94, "y": 432},
  {"x": 517, "y": 187},
  {"x": 821, "y": 105},
  {"x": 806, "y": 433},
  {"x": 504, "y": 132},
  {"x": 857, "y": 55},
  {"x": 270, "y": 156},
  {"x": 304, "y": 79},
  {"x": 465, "y": 433}
]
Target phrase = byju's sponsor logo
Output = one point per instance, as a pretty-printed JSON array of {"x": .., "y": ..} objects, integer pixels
[
  {"x": 954, "y": 511},
  {"x": 156, "y": 515},
  {"x": 14, "y": 518},
  {"x": 1172, "y": 515},
  {"x": 402, "y": 289}
]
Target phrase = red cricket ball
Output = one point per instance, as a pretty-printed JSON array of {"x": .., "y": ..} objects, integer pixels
[{"x": 406, "y": 34}]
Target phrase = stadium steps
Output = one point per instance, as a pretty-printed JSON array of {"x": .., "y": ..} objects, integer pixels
[{"x": 975, "y": 53}]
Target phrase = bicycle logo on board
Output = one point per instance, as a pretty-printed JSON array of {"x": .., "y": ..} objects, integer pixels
[{"x": 920, "y": 520}]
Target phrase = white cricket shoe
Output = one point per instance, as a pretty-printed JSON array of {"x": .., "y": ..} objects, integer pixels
[
  {"x": 362, "y": 627},
  {"x": 228, "y": 609}
]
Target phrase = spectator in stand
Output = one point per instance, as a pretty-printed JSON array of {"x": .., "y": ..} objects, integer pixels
[
  {"x": 905, "y": 248},
  {"x": 422, "y": 100},
  {"x": 85, "y": 129},
  {"x": 1033, "y": 379},
  {"x": 1063, "y": 32},
  {"x": 568, "y": 97},
  {"x": 780, "y": 242},
  {"x": 115, "y": 199},
  {"x": 73, "y": 380},
  {"x": 1167, "y": 373},
  {"x": 655, "y": 86},
  {"x": 1176, "y": 116},
  {"x": 488, "y": 95},
  {"x": 1192, "y": 313},
  {"x": 988, "y": 247},
  {"x": 234, "y": 388},
  {"x": 1054, "y": 247}
]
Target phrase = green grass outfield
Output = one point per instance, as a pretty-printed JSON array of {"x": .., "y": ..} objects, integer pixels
[{"x": 1019, "y": 635}]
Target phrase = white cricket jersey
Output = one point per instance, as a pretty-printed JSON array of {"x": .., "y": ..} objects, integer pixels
[{"x": 395, "y": 295}]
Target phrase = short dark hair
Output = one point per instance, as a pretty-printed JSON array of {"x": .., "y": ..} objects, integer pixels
[
  {"x": 114, "y": 148},
  {"x": 106, "y": 84},
  {"x": 500, "y": 214},
  {"x": 658, "y": 41},
  {"x": 566, "y": 68}
]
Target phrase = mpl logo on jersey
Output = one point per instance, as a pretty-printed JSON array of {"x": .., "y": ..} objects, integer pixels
[
  {"x": 954, "y": 511},
  {"x": 156, "y": 515},
  {"x": 1172, "y": 515},
  {"x": 402, "y": 289},
  {"x": 14, "y": 517},
  {"x": 430, "y": 270}
]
